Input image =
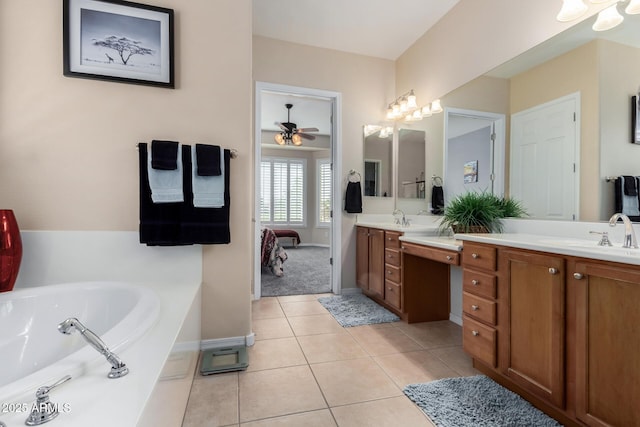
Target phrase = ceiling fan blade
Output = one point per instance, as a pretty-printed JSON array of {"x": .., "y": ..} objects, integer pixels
[
  {"x": 282, "y": 126},
  {"x": 307, "y": 130},
  {"x": 307, "y": 136}
]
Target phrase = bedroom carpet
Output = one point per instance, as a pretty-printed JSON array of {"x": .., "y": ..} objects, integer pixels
[
  {"x": 475, "y": 401},
  {"x": 306, "y": 271},
  {"x": 356, "y": 310}
]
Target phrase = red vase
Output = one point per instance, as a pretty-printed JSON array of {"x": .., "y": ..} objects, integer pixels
[{"x": 10, "y": 250}]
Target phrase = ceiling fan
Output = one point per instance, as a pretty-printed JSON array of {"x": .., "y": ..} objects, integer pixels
[{"x": 290, "y": 133}]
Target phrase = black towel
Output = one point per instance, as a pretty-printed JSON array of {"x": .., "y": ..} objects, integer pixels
[
  {"x": 208, "y": 160},
  {"x": 630, "y": 188},
  {"x": 437, "y": 200},
  {"x": 353, "y": 198},
  {"x": 164, "y": 155}
]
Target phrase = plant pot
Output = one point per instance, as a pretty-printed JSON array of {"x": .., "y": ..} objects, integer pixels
[
  {"x": 469, "y": 229},
  {"x": 10, "y": 250}
]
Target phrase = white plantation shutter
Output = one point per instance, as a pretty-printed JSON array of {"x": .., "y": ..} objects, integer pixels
[
  {"x": 282, "y": 191},
  {"x": 324, "y": 192}
]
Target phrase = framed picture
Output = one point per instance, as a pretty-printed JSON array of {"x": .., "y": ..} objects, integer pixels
[
  {"x": 471, "y": 172},
  {"x": 635, "y": 120},
  {"x": 118, "y": 41}
]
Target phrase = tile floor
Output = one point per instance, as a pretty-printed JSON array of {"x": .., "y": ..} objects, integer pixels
[{"x": 307, "y": 370}]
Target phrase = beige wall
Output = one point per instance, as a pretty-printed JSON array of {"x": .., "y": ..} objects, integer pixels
[
  {"x": 67, "y": 146},
  {"x": 366, "y": 85}
]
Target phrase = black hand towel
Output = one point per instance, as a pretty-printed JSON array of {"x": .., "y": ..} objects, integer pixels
[
  {"x": 353, "y": 198},
  {"x": 437, "y": 200},
  {"x": 630, "y": 188},
  {"x": 164, "y": 155},
  {"x": 208, "y": 160}
]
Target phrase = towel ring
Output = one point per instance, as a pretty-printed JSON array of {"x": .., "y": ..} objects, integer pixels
[
  {"x": 435, "y": 179},
  {"x": 354, "y": 176}
]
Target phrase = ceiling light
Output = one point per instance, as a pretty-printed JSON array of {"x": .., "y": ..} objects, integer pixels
[
  {"x": 279, "y": 138},
  {"x": 608, "y": 18},
  {"x": 633, "y": 8},
  {"x": 296, "y": 139},
  {"x": 571, "y": 9},
  {"x": 436, "y": 107}
]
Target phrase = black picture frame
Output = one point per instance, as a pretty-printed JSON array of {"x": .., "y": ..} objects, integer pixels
[
  {"x": 118, "y": 41},
  {"x": 635, "y": 122}
]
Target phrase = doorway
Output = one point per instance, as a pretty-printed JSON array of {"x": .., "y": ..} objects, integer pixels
[{"x": 296, "y": 190}]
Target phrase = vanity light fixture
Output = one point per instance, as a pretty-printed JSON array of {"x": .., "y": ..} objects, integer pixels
[
  {"x": 607, "y": 19},
  {"x": 406, "y": 108}
]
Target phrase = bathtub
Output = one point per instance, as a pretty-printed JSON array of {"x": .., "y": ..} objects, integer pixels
[{"x": 34, "y": 353}]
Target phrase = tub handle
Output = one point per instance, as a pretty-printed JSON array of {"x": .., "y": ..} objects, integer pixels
[{"x": 44, "y": 411}]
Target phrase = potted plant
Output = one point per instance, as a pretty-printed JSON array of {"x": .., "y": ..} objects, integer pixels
[{"x": 479, "y": 212}]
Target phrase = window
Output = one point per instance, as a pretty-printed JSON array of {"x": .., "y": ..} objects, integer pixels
[
  {"x": 282, "y": 191},
  {"x": 324, "y": 192}
]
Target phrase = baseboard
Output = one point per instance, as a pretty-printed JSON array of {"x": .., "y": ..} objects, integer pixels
[
  {"x": 350, "y": 291},
  {"x": 248, "y": 340},
  {"x": 455, "y": 319}
]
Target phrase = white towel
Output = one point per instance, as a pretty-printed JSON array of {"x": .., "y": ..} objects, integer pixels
[
  {"x": 208, "y": 191},
  {"x": 630, "y": 204},
  {"x": 166, "y": 185}
]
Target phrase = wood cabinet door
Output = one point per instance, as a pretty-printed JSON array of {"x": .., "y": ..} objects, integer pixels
[
  {"x": 362, "y": 257},
  {"x": 533, "y": 347},
  {"x": 607, "y": 344},
  {"x": 376, "y": 262}
]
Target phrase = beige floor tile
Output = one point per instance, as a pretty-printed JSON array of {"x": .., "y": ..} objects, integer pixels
[
  {"x": 266, "y": 308},
  {"x": 330, "y": 347},
  {"x": 321, "y": 418},
  {"x": 352, "y": 381},
  {"x": 456, "y": 359},
  {"x": 277, "y": 327},
  {"x": 315, "y": 324},
  {"x": 213, "y": 401},
  {"x": 277, "y": 392},
  {"x": 414, "y": 367},
  {"x": 434, "y": 334},
  {"x": 397, "y": 411},
  {"x": 296, "y": 298},
  {"x": 384, "y": 341},
  {"x": 302, "y": 308},
  {"x": 275, "y": 353}
]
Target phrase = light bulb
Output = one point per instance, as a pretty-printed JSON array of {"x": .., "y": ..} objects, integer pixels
[
  {"x": 279, "y": 138},
  {"x": 396, "y": 109},
  {"x": 296, "y": 139},
  {"x": 404, "y": 104},
  {"x": 571, "y": 9},
  {"x": 426, "y": 111},
  {"x": 417, "y": 115},
  {"x": 411, "y": 101},
  {"x": 436, "y": 107},
  {"x": 633, "y": 8},
  {"x": 608, "y": 18}
]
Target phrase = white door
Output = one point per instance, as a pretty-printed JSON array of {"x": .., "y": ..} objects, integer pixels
[{"x": 544, "y": 159}]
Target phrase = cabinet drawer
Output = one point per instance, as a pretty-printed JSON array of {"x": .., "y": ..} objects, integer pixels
[
  {"x": 392, "y": 273},
  {"x": 479, "y": 341},
  {"x": 479, "y": 283},
  {"x": 392, "y": 294},
  {"x": 479, "y": 308},
  {"x": 479, "y": 256},
  {"x": 440, "y": 255},
  {"x": 392, "y": 257},
  {"x": 392, "y": 239}
]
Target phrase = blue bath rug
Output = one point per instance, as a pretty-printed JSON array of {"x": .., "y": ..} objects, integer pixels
[
  {"x": 356, "y": 310},
  {"x": 475, "y": 401}
]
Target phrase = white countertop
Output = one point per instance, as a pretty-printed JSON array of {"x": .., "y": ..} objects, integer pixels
[
  {"x": 448, "y": 243},
  {"x": 419, "y": 224},
  {"x": 585, "y": 248}
]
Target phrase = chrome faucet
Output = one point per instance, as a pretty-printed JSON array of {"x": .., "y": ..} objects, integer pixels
[
  {"x": 404, "y": 221},
  {"x": 118, "y": 368},
  {"x": 43, "y": 410},
  {"x": 629, "y": 235}
]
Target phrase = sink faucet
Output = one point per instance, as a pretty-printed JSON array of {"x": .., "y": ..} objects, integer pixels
[
  {"x": 118, "y": 368},
  {"x": 404, "y": 221},
  {"x": 629, "y": 235}
]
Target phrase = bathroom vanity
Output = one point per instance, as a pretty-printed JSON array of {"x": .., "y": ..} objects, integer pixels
[{"x": 556, "y": 320}]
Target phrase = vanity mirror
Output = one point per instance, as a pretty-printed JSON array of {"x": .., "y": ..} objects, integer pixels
[
  {"x": 411, "y": 164},
  {"x": 378, "y": 160}
]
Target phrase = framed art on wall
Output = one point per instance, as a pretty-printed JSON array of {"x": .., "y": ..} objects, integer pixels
[
  {"x": 635, "y": 120},
  {"x": 118, "y": 41}
]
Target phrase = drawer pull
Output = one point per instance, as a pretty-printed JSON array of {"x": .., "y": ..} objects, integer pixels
[
  {"x": 388, "y": 271},
  {"x": 553, "y": 270},
  {"x": 474, "y": 307},
  {"x": 403, "y": 248},
  {"x": 389, "y": 238},
  {"x": 390, "y": 256},
  {"x": 475, "y": 255},
  {"x": 449, "y": 257},
  {"x": 578, "y": 276},
  {"x": 474, "y": 282},
  {"x": 475, "y": 333}
]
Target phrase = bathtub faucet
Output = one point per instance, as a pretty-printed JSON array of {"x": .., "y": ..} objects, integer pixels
[{"x": 118, "y": 368}]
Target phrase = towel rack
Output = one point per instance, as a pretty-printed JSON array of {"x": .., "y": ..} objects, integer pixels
[
  {"x": 354, "y": 176},
  {"x": 233, "y": 152},
  {"x": 435, "y": 179}
]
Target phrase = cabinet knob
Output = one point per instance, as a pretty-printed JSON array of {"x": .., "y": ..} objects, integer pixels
[
  {"x": 578, "y": 276},
  {"x": 388, "y": 271},
  {"x": 449, "y": 257},
  {"x": 553, "y": 270},
  {"x": 474, "y": 282},
  {"x": 390, "y": 256},
  {"x": 475, "y": 255},
  {"x": 403, "y": 248},
  {"x": 389, "y": 238},
  {"x": 475, "y": 333},
  {"x": 474, "y": 307}
]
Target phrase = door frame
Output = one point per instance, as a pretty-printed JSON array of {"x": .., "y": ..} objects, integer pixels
[{"x": 335, "y": 241}]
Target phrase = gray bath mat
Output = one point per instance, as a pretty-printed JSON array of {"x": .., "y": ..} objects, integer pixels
[
  {"x": 356, "y": 310},
  {"x": 475, "y": 401}
]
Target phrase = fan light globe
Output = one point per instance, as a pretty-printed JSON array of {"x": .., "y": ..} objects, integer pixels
[
  {"x": 633, "y": 8},
  {"x": 608, "y": 18},
  {"x": 296, "y": 139},
  {"x": 571, "y": 9},
  {"x": 279, "y": 138}
]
